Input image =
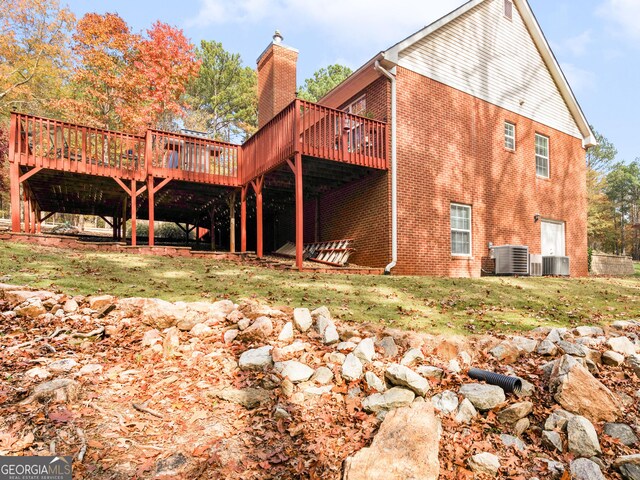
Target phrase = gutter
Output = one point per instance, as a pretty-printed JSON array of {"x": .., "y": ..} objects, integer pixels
[{"x": 394, "y": 176}]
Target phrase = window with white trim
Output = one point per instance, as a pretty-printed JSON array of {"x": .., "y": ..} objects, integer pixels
[
  {"x": 460, "y": 230},
  {"x": 509, "y": 136},
  {"x": 542, "y": 156},
  {"x": 508, "y": 9}
]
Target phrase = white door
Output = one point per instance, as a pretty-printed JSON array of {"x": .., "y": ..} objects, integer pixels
[{"x": 553, "y": 239}]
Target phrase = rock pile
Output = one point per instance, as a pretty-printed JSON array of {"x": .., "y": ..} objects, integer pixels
[{"x": 577, "y": 412}]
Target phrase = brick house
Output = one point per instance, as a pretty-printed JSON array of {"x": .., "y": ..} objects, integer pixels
[
  {"x": 463, "y": 136},
  {"x": 490, "y": 148}
]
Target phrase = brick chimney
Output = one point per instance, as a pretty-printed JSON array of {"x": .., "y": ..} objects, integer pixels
[{"x": 276, "y": 79}]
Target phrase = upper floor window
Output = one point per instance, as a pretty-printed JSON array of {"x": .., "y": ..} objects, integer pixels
[
  {"x": 358, "y": 107},
  {"x": 508, "y": 9},
  {"x": 542, "y": 156},
  {"x": 509, "y": 136},
  {"x": 460, "y": 229}
]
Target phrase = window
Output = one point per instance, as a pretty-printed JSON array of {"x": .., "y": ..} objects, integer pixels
[
  {"x": 509, "y": 136},
  {"x": 542, "y": 156},
  {"x": 358, "y": 107},
  {"x": 460, "y": 229},
  {"x": 508, "y": 9}
]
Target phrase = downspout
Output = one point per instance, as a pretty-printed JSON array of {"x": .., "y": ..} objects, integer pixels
[{"x": 394, "y": 177}]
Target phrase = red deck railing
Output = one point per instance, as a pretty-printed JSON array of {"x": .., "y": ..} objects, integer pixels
[
  {"x": 302, "y": 127},
  {"x": 42, "y": 142}
]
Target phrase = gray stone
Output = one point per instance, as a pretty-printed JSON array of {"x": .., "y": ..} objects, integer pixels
[
  {"x": 322, "y": 375},
  {"x": 330, "y": 335},
  {"x": 393, "y": 398},
  {"x": 230, "y": 335},
  {"x": 555, "y": 469},
  {"x": 352, "y": 368},
  {"x": 286, "y": 334},
  {"x": 556, "y": 335},
  {"x": 403, "y": 376},
  {"x": 374, "y": 383},
  {"x": 484, "y": 397},
  {"x": 60, "y": 390},
  {"x": 582, "y": 437},
  {"x": 293, "y": 370},
  {"x": 622, "y": 432},
  {"x": 622, "y": 345},
  {"x": 634, "y": 362},
  {"x": 260, "y": 329},
  {"x": 201, "y": 330},
  {"x": 256, "y": 358},
  {"x": 366, "y": 350},
  {"x": 302, "y": 319},
  {"x": 524, "y": 344},
  {"x": 31, "y": 308},
  {"x": 505, "y": 351},
  {"x": 62, "y": 366},
  {"x": 558, "y": 420},
  {"x": 346, "y": 347},
  {"x": 412, "y": 356},
  {"x": 521, "y": 426},
  {"x": 527, "y": 389},
  {"x": 633, "y": 459},
  {"x": 572, "y": 349},
  {"x": 445, "y": 402},
  {"x": 244, "y": 323},
  {"x": 612, "y": 358},
  {"x": 322, "y": 323},
  {"x": 317, "y": 391},
  {"x": 484, "y": 463},
  {"x": 280, "y": 412},
  {"x": 337, "y": 358},
  {"x": 515, "y": 412},
  {"x": 388, "y": 344},
  {"x": 511, "y": 441},
  {"x": 70, "y": 306},
  {"x": 466, "y": 412},
  {"x": 428, "y": 371},
  {"x": 629, "y": 471},
  {"x": 587, "y": 331},
  {"x": 454, "y": 366},
  {"x": 247, "y": 397},
  {"x": 622, "y": 324},
  {"x": 547, "y": 348},
  {"x": 91, "y": 369},
  {"x": 552, "y": 440},
  {"x": 99, "y": 302},
  {"x": 37, "y": 373},
  {"x": 321, "y": 312},
  {"x": 585, "y": 469}
]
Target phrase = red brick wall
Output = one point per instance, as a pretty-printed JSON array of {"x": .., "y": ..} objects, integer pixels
[
  {"x": 451, "y": 149},
  {"x": 359, "y": 210},
  {"x": 276, "y": 81}
]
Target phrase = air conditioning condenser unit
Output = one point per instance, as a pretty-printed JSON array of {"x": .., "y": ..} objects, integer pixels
[
  {"x": 511, "y": 259},
  {"x": 535, "y": 265},
  {"x": 555, "y": 265}
]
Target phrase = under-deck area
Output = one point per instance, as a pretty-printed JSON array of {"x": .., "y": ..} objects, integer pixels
[{"x": 304, "y": 152}]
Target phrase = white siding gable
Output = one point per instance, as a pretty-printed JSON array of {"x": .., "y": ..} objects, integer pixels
[{"x": 493, "y": 58}]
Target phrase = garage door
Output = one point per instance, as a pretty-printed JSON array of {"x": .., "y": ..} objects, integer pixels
[{"x": 553, "y": 238}]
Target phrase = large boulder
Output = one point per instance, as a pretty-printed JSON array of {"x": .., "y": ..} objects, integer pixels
[
  {"x": 15, "y": 297},
  {"x": 294, "y": 370},
  {"x": 256, "y": 358},
  {"x": 585, "y": 469},
  {"x": 388, "y": 457},
  {"x": 30, "y": 308},
  {"x": 573, "y": 387}
]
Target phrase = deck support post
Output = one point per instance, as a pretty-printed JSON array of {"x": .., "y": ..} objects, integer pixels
[
  {"x": 14, "y": 181},
  {"x": 232, "y": 221},
  {"x": 32, "y": 213},
  {"x": 38, "y": 221},
  {"x": 114, "y": 227},
  {"x": 27, "y": 210},
  {"x": 212, "y": 231},
  {"x": 134, "y": 212},
  {"x": 150, "y": 193},
  {"x": 122, "y": 223},
  {"x": 243, "y": 218},
  {"x": 257, "y": 188},
  {"x": 296, "y": 166}
]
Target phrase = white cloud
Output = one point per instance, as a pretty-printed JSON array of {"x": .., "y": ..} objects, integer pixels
[
  {"x": 625, "y": 14},
  {"x": 578, "y": 45},
  {"x": 581, "y": 80},
  {"x": 353, "y": 21}
]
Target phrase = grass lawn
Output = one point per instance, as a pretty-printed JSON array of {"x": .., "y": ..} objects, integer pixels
[{"x": 420, "y": 303}]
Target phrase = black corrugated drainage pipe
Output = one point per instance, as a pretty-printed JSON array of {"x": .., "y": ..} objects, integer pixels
[{"x": 508, "y": 384}]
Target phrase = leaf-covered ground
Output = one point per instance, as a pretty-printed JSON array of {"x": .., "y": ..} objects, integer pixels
[{"x": 420, "y": 303}]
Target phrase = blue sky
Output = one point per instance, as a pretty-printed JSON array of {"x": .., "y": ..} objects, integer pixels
[{"x": 597, "y": 42}]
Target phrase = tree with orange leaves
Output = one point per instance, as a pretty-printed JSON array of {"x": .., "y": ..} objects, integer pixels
[{"x": 124, "y": 80}]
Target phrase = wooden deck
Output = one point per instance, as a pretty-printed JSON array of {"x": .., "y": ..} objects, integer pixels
[
  {"x": 303, "y": 127},
  {"x": 64, "y": 167}
]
